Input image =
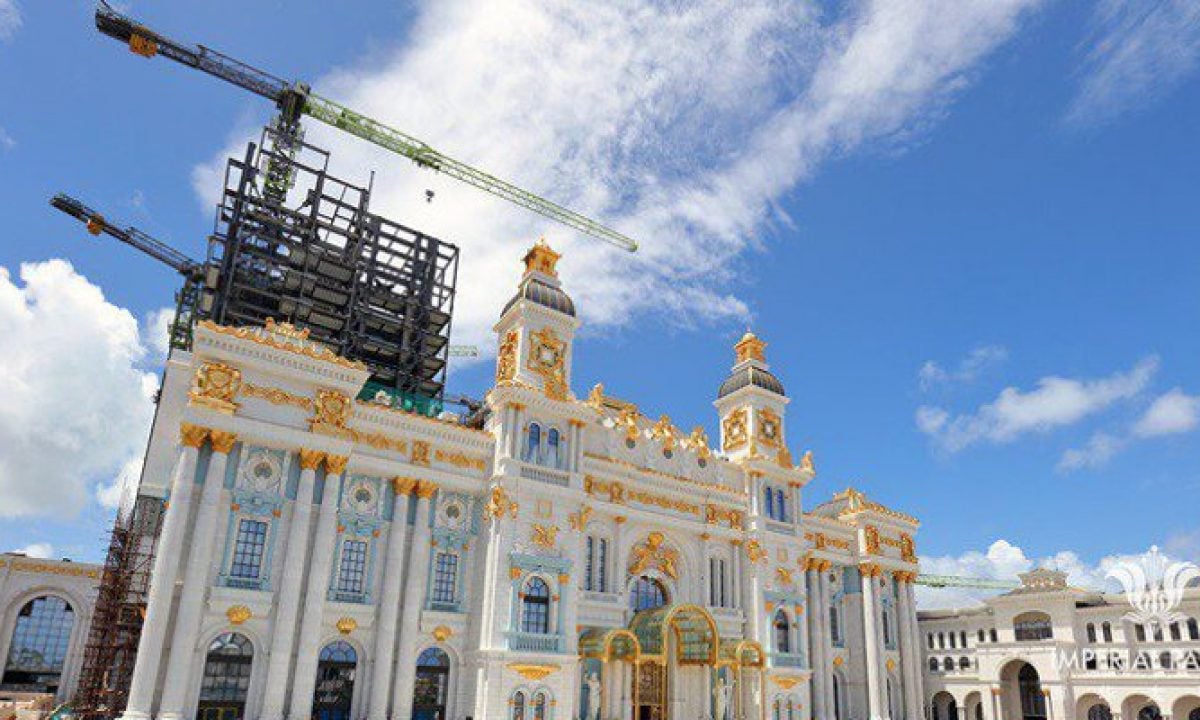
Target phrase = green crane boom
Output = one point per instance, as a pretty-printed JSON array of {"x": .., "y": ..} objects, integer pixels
[
  {"x": 941, "y": 581},
  {"x": 296, "y": 99}
]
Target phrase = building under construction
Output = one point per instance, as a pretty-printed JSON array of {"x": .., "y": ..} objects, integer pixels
[{"x": 296, "y": 244}]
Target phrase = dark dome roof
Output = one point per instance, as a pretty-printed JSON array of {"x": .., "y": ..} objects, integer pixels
[
  {"x": 536, "y": 291},
  {"x": 750, "y": 375}
]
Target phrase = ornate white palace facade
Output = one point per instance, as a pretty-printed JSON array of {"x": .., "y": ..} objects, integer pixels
[
  {"x": 1051, "y": 651},
  {"x": 333, "y": 557}
]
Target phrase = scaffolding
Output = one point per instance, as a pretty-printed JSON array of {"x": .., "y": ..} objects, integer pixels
[
  {"x": 371, "y": 289},
  {"x": 111, "y": 650}
]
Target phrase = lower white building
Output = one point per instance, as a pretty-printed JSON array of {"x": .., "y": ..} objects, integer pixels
[
  {"x": 1050, "y": 651},
  {"x": 45, "y": 611},
  {"x": 326, "y": 554}
]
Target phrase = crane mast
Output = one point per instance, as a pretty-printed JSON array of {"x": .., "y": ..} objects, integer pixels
[{"x": 297, "y": 99}]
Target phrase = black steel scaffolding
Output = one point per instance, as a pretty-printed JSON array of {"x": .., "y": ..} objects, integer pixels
[{"x": 371, "y": 289}]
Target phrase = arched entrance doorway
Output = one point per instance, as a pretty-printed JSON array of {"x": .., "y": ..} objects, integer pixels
[
  {"x": 432, "y": 685},
  {"x": 945, "y": 707},
  {"x": 670, "y": 664},
  {"x": 226, "y": 678},
  {"x": 336, "y": 667},
  {"x": 1023, "y": 695}
]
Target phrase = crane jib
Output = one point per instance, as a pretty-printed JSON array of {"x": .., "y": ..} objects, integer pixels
[{"x": 148, "y": 43}]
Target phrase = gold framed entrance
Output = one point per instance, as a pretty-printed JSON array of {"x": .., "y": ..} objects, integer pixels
[{"x": 669, "y": 664}]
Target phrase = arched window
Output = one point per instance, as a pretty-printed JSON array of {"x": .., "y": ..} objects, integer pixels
[
  {"x": 929, "y": 639},
  {"x": 1164, "y": 660},
  {"x": 887, "y": 626},
  {"x": 835, "y": 625},
  {"x": 980, "y": 636},
  {"x": 226, "y": 679},
  {"x": 1033, "y": 702},
  {"x": 533, "y": 443},
  {"x": 1106, "y": 631},
  {"x": 39, "y": 644},
  {"x": 535, "y": 607},
  {"x": 1099, "y": 711},
  {"x": 433, "y": 680},
  {"x": 539, "y": 706},
  {"x": 717, "y": 583},
  {"x": 1091, "y": 632},
  {"x": 948, "y": 664},
  {"x": 1032, "y": 626},
  {"x": 1150, "y": 712},
  {"x": 780, "y": 505},
  {"x": 964, "y": 663},
  {"x": 941, "y": 641},
  {"x": 838, "y": 702},
  {"x": 552, "y": 455},
  {"x": 1139, "y": 632},
  {"x": 518, "y": 706},
  {"x": 778, "y": 713},
  {"x": 992, "y": 635},
  {"x": 962, "y": 639},
  {"x": 1175, "y": 634},
  {"x": 1193, "y": 715},
  {"x": 334, "y": 693},
  {"x": 596, "y": 570},
  {"x": 770, "y": 496},
  {"x": 1193, "y": 629},
  {"x": 933, "y": 664},
  {"x": 953, "y": 641},
  {"x": 783, "y": 632},
  {"x": 647, "y": 594}
]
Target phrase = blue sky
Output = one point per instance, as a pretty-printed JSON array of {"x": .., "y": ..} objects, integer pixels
[{"x": 966, "y": 230}]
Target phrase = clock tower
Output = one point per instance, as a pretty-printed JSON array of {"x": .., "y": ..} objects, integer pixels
[
  {"x": 536, "y": 329},
  {"x": 751, "y": 403}
]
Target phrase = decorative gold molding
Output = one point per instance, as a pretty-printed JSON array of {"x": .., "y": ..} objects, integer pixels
[
  {"x": 652, "y": 553},
  {"x": 426, "y": 489},
  {"x": 346, "y": 625},
  {"x": 750, "y": 348},
  {"x": 404, "y": 485},
  {"x": 336, "y": 464},
  {"x": 310, "y": 459},
  {"x": 381, "y": 441},
  {"x": 238, "y": 614},
  {"x": 277, "y": 396},
  {"x": 214, "y": 386},
  {"x": 547, "y": 358},
  {"x": 283, "y": 336},
  {"x": 192, "y": 436},
  {"x": 499, "y": 505},
  {"x": 441, "y": 633},
  {"x": 785, "y": 682},
  {"x": 665, "y": 432},
  {"x": 871, "y": 539},
  {"x": 52, "y": 569},
  {"x": 716, "y": 514},
  {"x": 222, "y": 441},
  {"x": 331, "y": 412},
  {"x": 420, "y": 453},
  {"x": 506, "y": 358},
  {"x": 545, "y": 536},
  {"x": 531, "y": 671},
  {"x": 736, "y": 434},
  {"x": 579, "y": 520},
  {"x": 857, "y": 502},
  {"x": 460, "y": 460},
  {"x": 755, "y": 552}
]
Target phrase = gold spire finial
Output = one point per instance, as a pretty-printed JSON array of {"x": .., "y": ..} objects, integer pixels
[
  {"x": 541, "y": 258},
  {"x": 750, "y": 348}
]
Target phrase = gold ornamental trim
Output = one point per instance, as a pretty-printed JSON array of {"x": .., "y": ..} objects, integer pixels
[
  {"x": 214, "y": 386},
  {"x": 238, "y": 614},
  {"x": 286, "y": 337},
  {"x": 222, "y": 441},
  {"x": 532, "y": 671},
  {"x": 784, "y": 681},
  {"x": 346, "y": 625},
  {"x": 192, "y": 436},
  {"x": 310, "y": 459},
  {"x": 441, "y": 633},
  {"x": 460, "y": 460},
  {"x": 426, "y": 489},
  {"x": 336, "y": 464},
  {"x": 404, "y": 485},
  {"x": 277, "y": 396}
]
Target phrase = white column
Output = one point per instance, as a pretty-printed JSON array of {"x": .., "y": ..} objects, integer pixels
[
  {"x": 827, "y": 639},
  {"x": 414, "y": 601},
  {"x": 910, "y": 652},
  {"x": 871, "y": 643},
  {"x": 569, "y": 590},
  {"x": 195, "y": 580},
  {"x": 163, "y": 576},
  {"x": 389, "y": 601},
  {"x": 283, "y": 629},
  {"x": 816, "y": 641},
  {"x": 307, "y": 649}
]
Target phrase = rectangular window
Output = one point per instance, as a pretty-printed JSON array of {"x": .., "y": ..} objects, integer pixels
[
  {"x": 248, "y": 549},
  {"x": 445, "y": 577},
  {"x": 352, "y": 573},
  {"x": 589, "y": 571},
  {"x": 602, "y": 567}
]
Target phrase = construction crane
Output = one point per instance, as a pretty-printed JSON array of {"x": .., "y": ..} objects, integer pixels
[
  {"x": 296, "y": 99},
  {"x": 193, "y": 272},
  {"x": 944, "y": 581}
]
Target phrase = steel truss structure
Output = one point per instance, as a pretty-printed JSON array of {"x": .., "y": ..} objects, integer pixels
[{"x": 371, "y": 289}]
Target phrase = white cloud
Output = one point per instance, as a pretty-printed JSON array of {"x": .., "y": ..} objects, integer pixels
[
  {"x": 36, "y": 550},
  {"x": 7, "y": 142},
  {"x": 977, "y": 361},
  {"x": 77, "y": 406},
  {"x": 156, "y": 330},
  {"x": 1056, "y": 402},
  {"x": 1005, "y": 561},
  {"x": 10, "y": 19},
  {"x": 1138, "y": 50},
  {"x": 1171, "y": 413},
  {"x": 1100, "y": 448},
  {"x": 680, "y": 124}
]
